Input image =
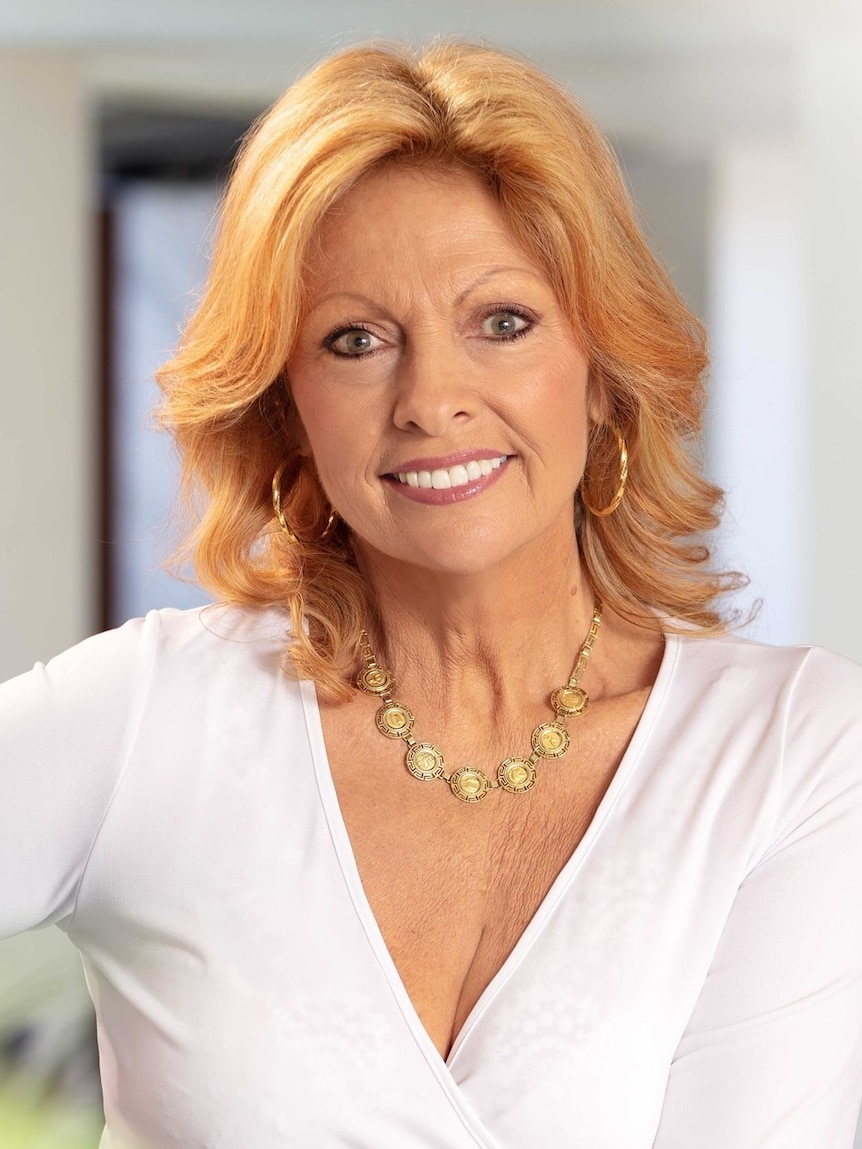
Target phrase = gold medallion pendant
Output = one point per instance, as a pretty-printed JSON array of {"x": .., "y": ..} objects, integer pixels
[
  {"x": 468, "y": 784},
  {"x": 425, "y": 761},
  {"x": 394, "y": 721},
  {"x": 515, "y": 775}
]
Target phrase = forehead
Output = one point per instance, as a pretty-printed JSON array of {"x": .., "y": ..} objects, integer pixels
[
  {"x": 414, "y": 181},
  {"x": 402, "y": 218}
]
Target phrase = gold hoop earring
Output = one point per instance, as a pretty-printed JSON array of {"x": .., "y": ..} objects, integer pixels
[
  {"x": 279, "y": 514},
  {"x": 601, "y": 512}
]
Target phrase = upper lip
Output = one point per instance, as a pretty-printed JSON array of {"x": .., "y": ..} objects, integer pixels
[{"x": 443, "y": 462}]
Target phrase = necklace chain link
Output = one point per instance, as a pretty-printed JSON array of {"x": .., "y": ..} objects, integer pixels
[{"x": 516, "y": 775}]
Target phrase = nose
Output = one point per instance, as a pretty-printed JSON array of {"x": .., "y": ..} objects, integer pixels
[{"x": 434, "y": 390}]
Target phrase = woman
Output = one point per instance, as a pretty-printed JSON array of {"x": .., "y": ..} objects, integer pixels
[{"x": 465, "y": 823}]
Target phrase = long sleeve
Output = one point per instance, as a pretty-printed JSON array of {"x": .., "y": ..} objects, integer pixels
[
  {"x": 772, "y": 1055},
  {"x": 65, "y": 731}
]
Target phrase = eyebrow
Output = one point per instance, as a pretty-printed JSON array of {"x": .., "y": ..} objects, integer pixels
[
  {"x": 489, "y": 274},
  {"x": 462, "y": 296}
]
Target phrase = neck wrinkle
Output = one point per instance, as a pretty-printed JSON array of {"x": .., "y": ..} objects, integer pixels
[{"x": 487, "y": 641}]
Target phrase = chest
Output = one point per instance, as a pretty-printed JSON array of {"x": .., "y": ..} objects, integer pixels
[{"x": 452, "y": 885}]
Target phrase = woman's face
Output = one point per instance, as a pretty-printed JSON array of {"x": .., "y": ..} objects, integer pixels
[{"x": 441, "y": 391}]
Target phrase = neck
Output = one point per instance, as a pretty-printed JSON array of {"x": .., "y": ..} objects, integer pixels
[{"x": 503, "y": 634}]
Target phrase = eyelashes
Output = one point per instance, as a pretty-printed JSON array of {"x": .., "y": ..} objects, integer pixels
[{"x": 501, "y": 323}]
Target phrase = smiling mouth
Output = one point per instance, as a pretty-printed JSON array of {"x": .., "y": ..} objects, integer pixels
[{"x": 446, "y": 478}]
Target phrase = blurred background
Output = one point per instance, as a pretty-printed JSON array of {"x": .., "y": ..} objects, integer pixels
[{"x": 739, "y": 127}]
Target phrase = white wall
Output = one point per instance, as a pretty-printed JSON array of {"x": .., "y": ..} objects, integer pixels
[
  {"x": 47, "y": 397},
  {"x": 760, "y": 441},
  {"x": 831, "y": 91}
]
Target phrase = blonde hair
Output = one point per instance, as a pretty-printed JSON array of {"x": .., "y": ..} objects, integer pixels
[{"x": 558, "y": 183}]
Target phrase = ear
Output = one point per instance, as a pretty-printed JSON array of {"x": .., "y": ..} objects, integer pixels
[
  {"x": 300, "y": 437},
  {"x": 291, "y": 424},
  {"x": 598, "y": 407}
]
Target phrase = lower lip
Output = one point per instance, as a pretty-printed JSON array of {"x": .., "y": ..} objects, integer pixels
[{"x": 444, "y": 498}]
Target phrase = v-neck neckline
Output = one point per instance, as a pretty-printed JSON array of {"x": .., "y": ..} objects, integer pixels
[{"x": 350, "y": 871}]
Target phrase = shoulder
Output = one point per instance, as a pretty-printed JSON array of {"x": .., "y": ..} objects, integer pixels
[
  {"x": 810, "y": 676},
  {"x": 185, "y": 634},
  {"x": 812, "y": 692},
  {"x": 791, "y": 713},
  {"x": 217, "y": 629},
  {"x": 116, "y": 667}
]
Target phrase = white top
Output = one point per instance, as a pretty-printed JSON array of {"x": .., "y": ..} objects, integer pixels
[{"x": 691, "y": 981}]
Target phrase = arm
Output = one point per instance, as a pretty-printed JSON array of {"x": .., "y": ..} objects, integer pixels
[
  {"x": 772, "y": 1055},
  {"x": 65, "y": 729}
]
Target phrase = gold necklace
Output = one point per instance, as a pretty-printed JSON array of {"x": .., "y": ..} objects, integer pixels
[{"x": 517, "y": 775}]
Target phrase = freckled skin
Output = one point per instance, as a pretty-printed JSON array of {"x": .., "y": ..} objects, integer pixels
[{"x": 416, "y": 262}]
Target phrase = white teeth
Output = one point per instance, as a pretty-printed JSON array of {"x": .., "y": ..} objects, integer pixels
[{"x": 457, "y": 476}]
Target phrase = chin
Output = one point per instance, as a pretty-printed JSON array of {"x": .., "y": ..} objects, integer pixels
[{"x": 452, "y": 554}]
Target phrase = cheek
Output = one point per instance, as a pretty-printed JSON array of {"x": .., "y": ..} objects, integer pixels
[
  {"x": 557, "y": 407},
  {"x": 333, "y": 450},
  {"x": 318, "y": 430},
  {"x": 567, "y": 431},
  {"x": 340, "y": 439}
]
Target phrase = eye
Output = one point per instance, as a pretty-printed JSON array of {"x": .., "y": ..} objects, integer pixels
[
  {"x": 506, "y": 323},
  {"x": 351, "y": 342}
]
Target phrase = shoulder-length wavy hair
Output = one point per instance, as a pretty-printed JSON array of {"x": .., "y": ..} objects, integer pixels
[{"x": 557, "y": 181}]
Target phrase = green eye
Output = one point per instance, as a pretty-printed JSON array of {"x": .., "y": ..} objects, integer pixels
[
  {"x": 505, "y": 324},
  {"x": 357, "y": 341},
  {"x": 351, "y": 341}
]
